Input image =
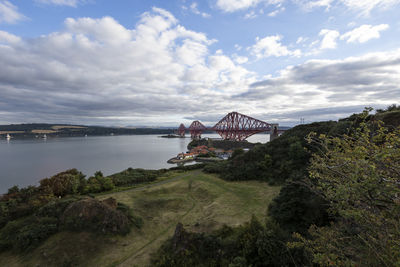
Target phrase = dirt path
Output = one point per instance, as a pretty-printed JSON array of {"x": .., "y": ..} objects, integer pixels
[{"x": 126, "y": 260}]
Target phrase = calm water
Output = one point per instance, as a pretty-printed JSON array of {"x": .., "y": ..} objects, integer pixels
[{"x": 25, "y": 162}]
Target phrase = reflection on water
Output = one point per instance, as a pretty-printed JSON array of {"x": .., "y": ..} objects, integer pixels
[{"x": 25, "y": 162}]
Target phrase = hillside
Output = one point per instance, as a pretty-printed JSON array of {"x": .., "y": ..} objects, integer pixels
[
  {"x": 202, "y": 202},
  {"x": 64, "y": 130}
]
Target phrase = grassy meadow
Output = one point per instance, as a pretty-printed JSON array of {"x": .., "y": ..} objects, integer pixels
[{"x": 201, "y": 202}]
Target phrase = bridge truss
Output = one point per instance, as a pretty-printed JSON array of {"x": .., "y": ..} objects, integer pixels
[
  {"x": 238, "y": 127},
  {"x": 234, "y": 126},
  {"x": 196, "y": 129}
]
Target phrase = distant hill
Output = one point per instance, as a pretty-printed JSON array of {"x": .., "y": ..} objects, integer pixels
[{"x": 33, "y": 130}]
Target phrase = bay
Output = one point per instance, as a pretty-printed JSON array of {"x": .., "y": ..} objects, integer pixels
[{"x": 26, "y": 162}]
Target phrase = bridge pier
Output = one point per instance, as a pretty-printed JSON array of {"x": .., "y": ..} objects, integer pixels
[{"x": 274, "y": 131}]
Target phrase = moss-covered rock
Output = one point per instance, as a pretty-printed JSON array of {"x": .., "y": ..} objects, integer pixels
[{"x": 94, "y": 215}]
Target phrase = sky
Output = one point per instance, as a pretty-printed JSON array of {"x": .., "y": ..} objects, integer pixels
[{"x": 162, "y": 63}]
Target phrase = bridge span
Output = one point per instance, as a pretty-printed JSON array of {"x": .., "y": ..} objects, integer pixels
[{"x": 234, "y": 126}]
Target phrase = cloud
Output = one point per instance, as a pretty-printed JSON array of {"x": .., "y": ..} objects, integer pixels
[
  {"x": 271, "y": 46},
  {"x": 251, "y": 15},
  {"x": 195, "y": 10},
  {"x": 71, "y": 3},
  {"x": 240, "y": 59},
  {"x": 329, "y": 38},
  {"x": 8, "y": 38},
  {"x": 364, "y": 7},
  {"x": 236, "y": 5},
  {"x": 276, "y": 12},
  {"x": 9, "y": 13},
  {"x": 301, "y": 39},
  {"x": 96, "y": 71},
  {"x": 364, "y": 33},
  {"x": 354, "y": 82},
  {"x": 309, "y": 5}
]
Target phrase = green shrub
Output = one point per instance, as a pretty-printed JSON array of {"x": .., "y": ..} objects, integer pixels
[
  {"x": 135, "y": 176},
  {"x": 97, "y": 216},
  {"x": 251, "y": 244},
  {"x": 27, "y": 233},
  {"x": 54, "y": 208},
  {"x": 63, "y": 183},
  {"x": 191, "y": 167},
  {"x": 136, "y": 220}
]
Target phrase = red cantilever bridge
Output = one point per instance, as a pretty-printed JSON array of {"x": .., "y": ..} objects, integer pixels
[{"x": 234, "y": 126}]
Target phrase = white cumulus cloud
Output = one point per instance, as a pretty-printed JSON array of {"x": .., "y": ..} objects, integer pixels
[
  {"x": 364, "y": 33},
  {"x": 9, "y": 38},
  {"x": 9, "y": 13},
  {"x": 235, "y": 5},
  {"x": 195, "y": 10},
  {"x": 240, "y": 59},
  {"x": 329, "y": 38},
  {"x": 97, "y": 71},
  {"x": 271, "y": 46}
]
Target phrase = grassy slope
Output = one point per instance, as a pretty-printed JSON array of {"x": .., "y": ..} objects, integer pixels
[{"x": 209, "y": 204}]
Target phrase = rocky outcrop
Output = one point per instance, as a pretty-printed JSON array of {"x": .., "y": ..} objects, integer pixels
[{"x": 94, "y": 215}]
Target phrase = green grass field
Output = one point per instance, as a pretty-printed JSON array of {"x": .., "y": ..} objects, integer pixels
[{"x": 202, "y": 202}]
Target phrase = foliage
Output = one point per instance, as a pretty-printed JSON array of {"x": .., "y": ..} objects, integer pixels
[
  {"x": 284, "y": 158},
  {"x": 68, "y": 182},
  {"x": 197, "y": 142},
  {"x": 98, "y": 183},
  {"x": 54, "y": 208},
  {"x": 216, "y": 167},
  {"x": 27, "y": 233},
  {"x": 297, "y": 207},
  {"x": 251, "y": 244},
  {"x": 97, "y": 216},
  {"x": 135, "y": 176},
  {"x": 22, "y": 202},
  {"x": 390, "y": 108},
  {"x": 28, "y": 230},
  {"x": 359, "y": 175},
  {"x": 191, "y": 167}
]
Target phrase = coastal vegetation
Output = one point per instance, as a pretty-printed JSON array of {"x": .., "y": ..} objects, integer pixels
[
  {"x": 30, "y": 215},
  {"x": 338, "y": 206},
  {"x": 201, "y": 202},
  {"x": 322, "y": 194}
]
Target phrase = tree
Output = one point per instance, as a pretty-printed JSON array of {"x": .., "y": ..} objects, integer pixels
[
  {"x": 359, "y": 176},
  {"x": 63, "y": 183}
]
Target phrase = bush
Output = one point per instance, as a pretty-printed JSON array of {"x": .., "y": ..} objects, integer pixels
[
  {"x": 97, "y": 216},
  {"x": 251, "y": 244},
  {"x": 358, "y": 175},
  {"x": 191, "y": 167},
  {"x": 296, "y": 208},
  {"x": 27, "y": 233},
  {"x": 54, "y": 208},
  {"x": 98, "y": 183},
  {"x": 63, "y": 183},
  {"x": 135, "y": 176},
  {"x": 284, "y": 158}
]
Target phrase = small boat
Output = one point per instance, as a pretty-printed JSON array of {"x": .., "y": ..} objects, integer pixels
[
  {"x": 8, "y": 137},
  {"x": 44, "y": 136}
]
